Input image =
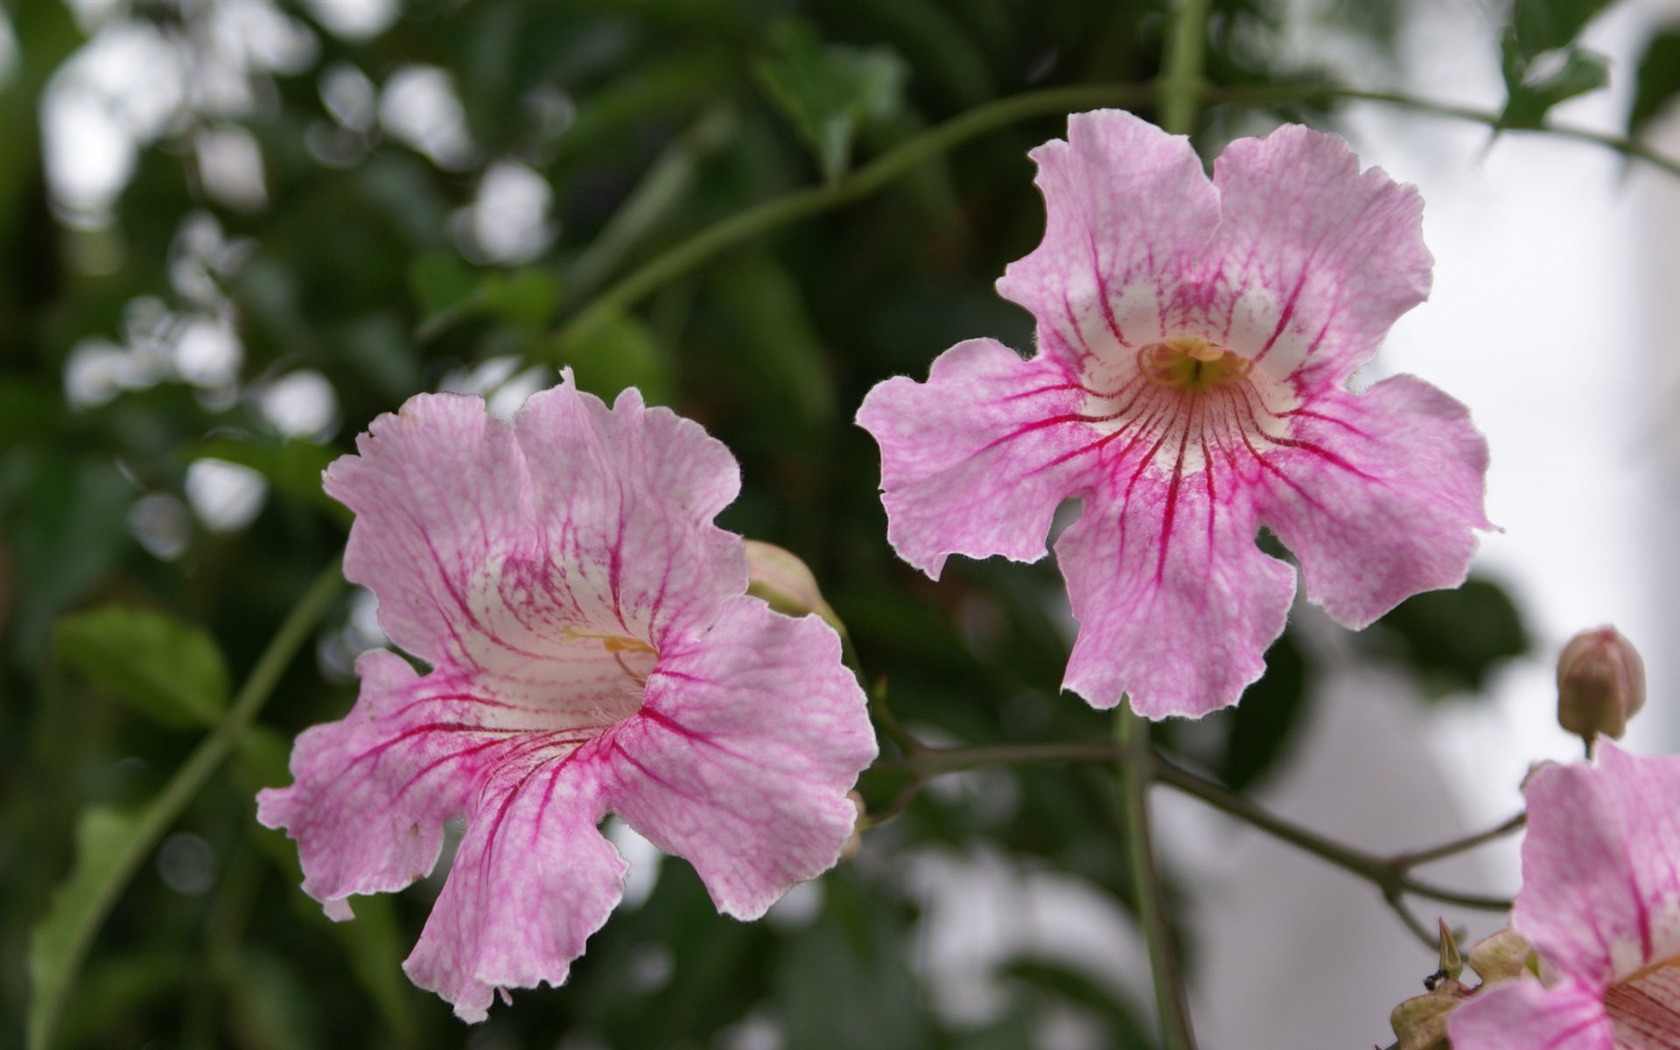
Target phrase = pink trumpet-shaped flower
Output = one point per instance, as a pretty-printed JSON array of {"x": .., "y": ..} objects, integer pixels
[
  {"x": 1195, "y": 340},
  {"x": 1600, "y": 903},
  {"x": 592, "y": 650}
]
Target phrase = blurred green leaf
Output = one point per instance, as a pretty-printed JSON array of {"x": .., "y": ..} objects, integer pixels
[
  {"x": 827, "y": 90},
  {"x": 168, "y": 670},
  {"x": 1530, "y": 98},
  {"x": 844, "y": 980},
  {"x": 104, "y": 837},
  {"x": 1540, "y": 62},
  {"x": 612, "y": 353},
  {"x": 24, "y": 413},
  {"x": 1659, "y": 80},
  {"x": 66, "y": 531},
  {"x": 1259, "y": 729},
  {"x": 1455, "y": 638},
  {"x": 376, "y": 946},
  {"x": 1082, "y": 990},
  {"x": 449, "y": 291},
  {"x": 1546, "y": 25},
  {"x": 782, "y": 356}
]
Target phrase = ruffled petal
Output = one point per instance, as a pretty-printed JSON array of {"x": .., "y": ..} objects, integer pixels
[
  {"x": 533, "y": 878},
  {"x": 1176, "y": 604},
  {"x": 1524, "y": 1014},
  {"x": 976, "y": 460},
  {"x": 1600, "y": 898},
  {"x": 1314, "y": 260},
  {"x": 743, "y": 752},
  {"x": 439, "y": 493},
  {"x": 623, "y": 502},
  {"x": 1127, "y": 210},
  {"x": 1378, "y": 495},
  {"x": 371, "y": 792}
]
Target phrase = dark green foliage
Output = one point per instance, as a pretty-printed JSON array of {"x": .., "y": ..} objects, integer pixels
[
  {"x": 1659, "y": 79},
  {"x": 648, "y": 121},
  {"x": 1540, "y": 61},
  {"x": 1454, "y": 639}
]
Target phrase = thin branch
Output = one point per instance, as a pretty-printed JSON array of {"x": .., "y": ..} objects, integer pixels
[
  {"x": 1270, "y": 94},
  {"x": 884, "y": 170},
  {"x": 1387, "y": 873},
  {"x": 1417, "y": 858}
]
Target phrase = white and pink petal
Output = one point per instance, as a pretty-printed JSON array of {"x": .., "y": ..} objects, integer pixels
[
  {"x": 1175, "y": 602},
  {"x": 1127, "y": 211},
  {"x": 371, "y": 792},
  {"x": 1378, "y": 495},
  {"x": 1314, "y": 260},
  {"x": 976, "y": 460},
  {"x": 743, "y": 752},
  {"x": 532, "y": 880},
  {"x": 1600, "y": 899}
]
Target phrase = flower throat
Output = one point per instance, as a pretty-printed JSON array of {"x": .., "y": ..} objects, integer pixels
[{"x": 1190, "y": 363}]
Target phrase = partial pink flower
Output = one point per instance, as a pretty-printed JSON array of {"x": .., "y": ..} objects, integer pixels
[
  {"x": 1195, "y": 341},
  {"x": 592, "y": 650},
  {"x": 1600, "y": 902}
]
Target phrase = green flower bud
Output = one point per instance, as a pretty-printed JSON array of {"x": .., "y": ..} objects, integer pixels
[{"x": 785, "y": 583}]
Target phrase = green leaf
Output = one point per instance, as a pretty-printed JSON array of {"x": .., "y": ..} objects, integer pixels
[
  {"x": 828, "y": 90},
  {"x": 1659, "y": 80},
  {"x": 1531, "y": 97},
  {"x": 1540, "y": 61},
  {"x": 612, "y": 353},
  {"x": 1259, "y": 729},
  {"x": 166, "y": 669},
  {"x": 1454, "y": 638},
  {"x": 104, "y": 841},
  {"x": 449, "y": 291},
  {"x": 783, "y": 357},
  {"x": 1547, "y": 25}
]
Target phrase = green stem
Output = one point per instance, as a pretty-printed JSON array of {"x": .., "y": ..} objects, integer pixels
[
  {"x": 884, "y": 170},
  {"x": 1131, "y": 733},
  {"x": 189, "y": 779},
  {"x": 1181, "y": 73},
  {"x": 1181, "y": 90}
]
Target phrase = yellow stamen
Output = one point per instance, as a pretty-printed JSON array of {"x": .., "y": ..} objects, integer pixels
[{"x": 612, "y": 643}]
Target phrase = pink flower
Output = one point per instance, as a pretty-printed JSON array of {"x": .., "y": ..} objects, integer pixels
[
  {"x": 1600, "y": 903},
  {"x": 592, "y": 650},
  {"x": 1195, "y": 340}
]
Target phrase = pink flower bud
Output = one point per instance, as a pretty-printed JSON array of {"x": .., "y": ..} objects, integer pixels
[{"x": 1601, "y": 683}]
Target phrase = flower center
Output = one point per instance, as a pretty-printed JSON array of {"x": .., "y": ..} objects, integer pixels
[{"x": 1189, "y": 363}]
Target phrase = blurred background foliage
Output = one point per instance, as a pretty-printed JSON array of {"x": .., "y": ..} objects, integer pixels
[{"x": 233, "y": 231}]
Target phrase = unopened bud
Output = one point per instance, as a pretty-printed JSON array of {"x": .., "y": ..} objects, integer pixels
[
  {"x": 1420, "y": 1023},
  {"x": 1451, "y": 965},
  {"x": 1501, "y": 956},
  {"x": 854, "y": 841},
  {"x": 1601, "y": 683},
  {"x": 785, "y": 583}
]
